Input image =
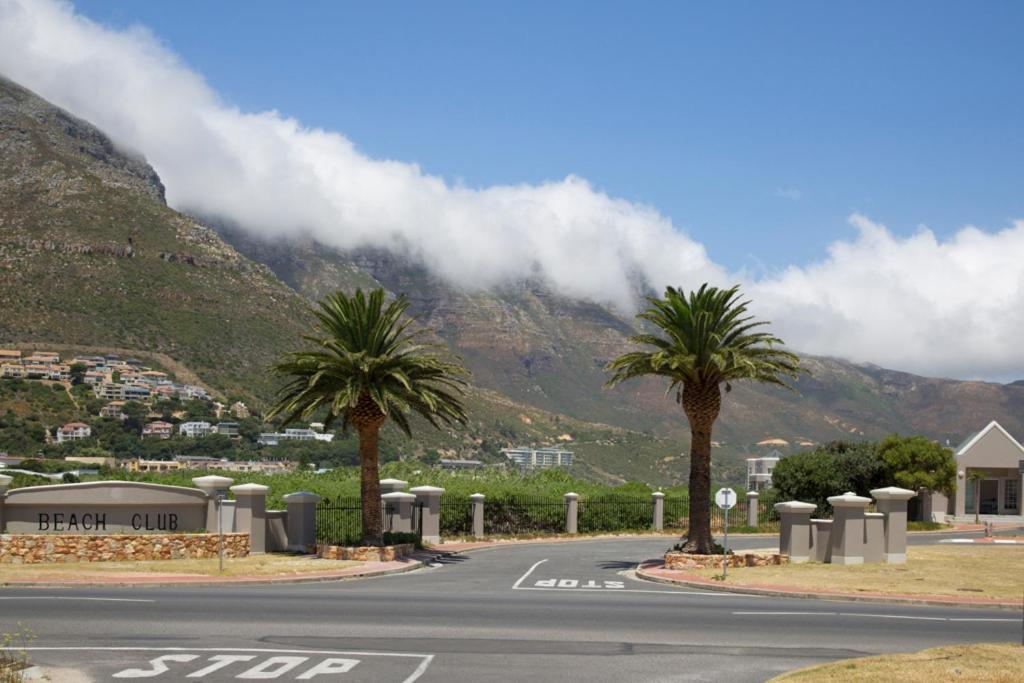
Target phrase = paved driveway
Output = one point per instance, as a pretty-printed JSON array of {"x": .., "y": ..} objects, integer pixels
[{"x": 546, "y": 612}]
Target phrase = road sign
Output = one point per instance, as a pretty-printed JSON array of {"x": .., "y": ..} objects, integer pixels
[{"x": 725, "y": 498}]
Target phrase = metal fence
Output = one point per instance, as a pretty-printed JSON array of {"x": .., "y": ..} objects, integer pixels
[
  {"x": 518, "y": 515},
  {"x": 340, "y": 521},
  {"x": 456, "y": 516},
  {"x": 615, "y": 514}
]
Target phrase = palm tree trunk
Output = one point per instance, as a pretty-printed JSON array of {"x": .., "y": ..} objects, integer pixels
[
  {"x": 702, "y": 405},
  {"x": 369, "y": 484}
]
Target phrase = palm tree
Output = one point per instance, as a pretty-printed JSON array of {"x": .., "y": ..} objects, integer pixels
[
  {"x": 706, "y": 340},
  {"x": 977, "y": 476},
  {"x": 366, "y": 366}
]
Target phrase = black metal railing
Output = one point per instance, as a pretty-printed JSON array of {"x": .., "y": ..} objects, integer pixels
[
  {"x": 456, "y": 516},
  {"x": 615, "y": 514},
  {"x": 339, "y": 521},
  {"x": 518, "y": 515}
]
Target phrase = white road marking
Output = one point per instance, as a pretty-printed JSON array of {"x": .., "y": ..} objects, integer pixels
[
  {"x": 62, "y": 597},
  {"x": 891, "y": 616},
  {"x": 427, "y": 659},
  {"x": 870, "y": 616},
  {"x": 786, "y": 614},
  {"x": 1014, "y": 621},
  {"x": 956, "y": 540},
  {"x": 528, "y": 572},
  {"x": 669, "y": 591}
]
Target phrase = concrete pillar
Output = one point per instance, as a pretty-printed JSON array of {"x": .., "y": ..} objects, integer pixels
[
  {"x": 753, "y": 507},
  {"x": 5, "y": 481},
  {"x": 892, "y": 503},
  {"x": 795, "y": 529},
  {"x": 847, "y": 540},
  {"x": 301, "y": 520},
  {"x": 430, "y": 498},
  {"x": 392, "y": 485},
  {"x": 572, "y": 502},
  {"x": 821, "y": 536},
  {"x": 874, "y": 537},
  {"x": 960, "y": 504},
  {"x": 478, "y": 514},
  {"x": 401, "y": 511},
  {"x": 251, "y": 514},
  {"x": 659, "y": 510},
  {"x": 210, "y": 484}
]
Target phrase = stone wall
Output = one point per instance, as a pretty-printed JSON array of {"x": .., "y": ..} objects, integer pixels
[
  {"x": 688, "y": 561},
  {"x": 41, "y": 548},
  {"x": 387, "y": 553}
]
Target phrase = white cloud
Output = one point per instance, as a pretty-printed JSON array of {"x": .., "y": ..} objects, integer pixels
[
  {"x": 791, "y": 193},
  {"x": 953, "y": 307}
]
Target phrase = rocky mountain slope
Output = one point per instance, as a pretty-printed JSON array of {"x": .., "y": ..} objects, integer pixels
[{"x": 91, "y": 256}]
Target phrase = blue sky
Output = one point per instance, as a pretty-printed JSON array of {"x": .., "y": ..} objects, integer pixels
[{"x": 757, "y": 127}]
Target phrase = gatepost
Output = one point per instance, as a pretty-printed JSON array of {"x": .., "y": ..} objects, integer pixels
[
  {"x": 429, "y": 497},
  {"x": 847, "y": 542},
  {"x": 301, "y": 520},
  {"x": 210, "y": 485},
  {"x": 753, "y": 509},
  {"x": 892, "y": 503},
  {"x": 5, "y": 481},
  {"x": 795, "y": 529},
  {"x": 874, "y": 537},
  {"x": 477, "y": 499},
  {"x": 251, "y": 514},
  {"x": 821, "y": 535},
  {"x": 572, "y": 501},
  {"x": 659, "y": 510},
  {"x": 392, "y": 485},
  {"x": 401, "y": 506}
]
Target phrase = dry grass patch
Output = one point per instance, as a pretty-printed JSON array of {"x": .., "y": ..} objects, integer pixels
[
  {"x": 254, "y": 565},
  {"x": 997, "y": 663},
  {"x": 973, "y": 570}
]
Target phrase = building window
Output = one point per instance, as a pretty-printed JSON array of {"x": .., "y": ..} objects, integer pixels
[{"x": 1011, "y": 496}]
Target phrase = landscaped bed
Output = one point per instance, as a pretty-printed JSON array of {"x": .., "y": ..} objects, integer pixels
[
  {"x": 973, "y": 570},
  {"x": 254, "y": 565},
  {"x": 997, "y": 663}
]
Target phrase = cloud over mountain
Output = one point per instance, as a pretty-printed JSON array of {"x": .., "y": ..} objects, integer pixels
[{"x": 951, "y": 307}]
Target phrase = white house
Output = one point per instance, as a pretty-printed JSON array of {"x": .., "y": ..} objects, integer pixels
[
  {"x": 759, "y": 471},
  {"x": 538, "y": 457},
  {"x": 999, "y": 458},
  {"x": 196, "y": 429},
  {"x": 73, "y": 431}
]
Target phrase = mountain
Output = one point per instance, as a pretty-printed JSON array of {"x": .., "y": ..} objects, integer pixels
[{"x": 91, "y": 257}]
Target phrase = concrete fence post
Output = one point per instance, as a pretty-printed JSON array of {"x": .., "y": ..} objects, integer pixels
[
  {"x": 477, "y": 499},
  {"x": 659, "y": 510},
  {"x": 874, "y": 537},
  {"x": 301, "y": 507},
  {"x": 251, "y": 514},
  {"x": 847, "y": 542},
  {"x": 572, "y": 502},
  {"x": 892, "y": 503},
  {"x": 753, "y": 507},
  {"x": 821, "y": 538},
  {"x": 430, "y": 498},
  {"x": 401, "y": 511},
  {"x": 795, "y": 529},
  {"x": 392, "y": 485},
  {"x": 209, "y": 485},
  {"x": 5, "y": 481}
]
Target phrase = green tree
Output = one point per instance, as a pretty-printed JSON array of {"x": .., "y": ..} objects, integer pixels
[
  {"x": 829, "y": 470},
  {"x": 916, "y": 462},
  {"x": 77, "y": 373},
  {"x": 365, "y": 366},
  {"x": 706, "y": 340}
]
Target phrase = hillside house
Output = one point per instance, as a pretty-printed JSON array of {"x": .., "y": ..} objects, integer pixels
[
  {"x": 194, "y": 430},
  {"x": 114, "y": 410},
  {"x": 158, "y": 430},
  {"x": 240, "y": 410},
  {"x": 109, "y": 391},
  {"x": 73, "y": 431},
  {"x": 759, "y": 471},
  {"x": 538, "y": 457},
  {"x": 12, "y": 355},
  {"x": 43, "y": 357},
  {"x": 11, "y": 371},
  {"x": 136, "y": 392}
]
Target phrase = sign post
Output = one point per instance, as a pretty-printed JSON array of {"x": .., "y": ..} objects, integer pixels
[
  {"x": 221, "y": 494},
  {"x": 726, "y": 500}
]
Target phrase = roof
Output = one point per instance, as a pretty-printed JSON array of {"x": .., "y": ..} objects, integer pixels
[
  {"x": 969, "y": 442},
  {"x": 75, "y": 425}
]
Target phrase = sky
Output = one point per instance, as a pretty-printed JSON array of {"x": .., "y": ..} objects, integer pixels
[{"x": 856, "y": 166}]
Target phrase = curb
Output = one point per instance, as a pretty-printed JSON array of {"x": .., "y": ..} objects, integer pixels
[
  {"x": 235, "y": 581},
  {"x": 643, "y": 575}
]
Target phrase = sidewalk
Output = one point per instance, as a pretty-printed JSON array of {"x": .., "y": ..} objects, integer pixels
[{"x": 654, "y": 570}]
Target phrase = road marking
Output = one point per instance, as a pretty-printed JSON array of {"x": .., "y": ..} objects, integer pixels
[
  {"x": 61, "y": 597},
  {"x": 786, "y": 614},
  {"x": 327, "y": 666},
  {"x": 667, "y": 591},
  {"x": 1015, "y": 621},
  {"x": 891, "y": 616},
  {"x": 528, "y": 572},
  {"x": 870, "y": 616}
]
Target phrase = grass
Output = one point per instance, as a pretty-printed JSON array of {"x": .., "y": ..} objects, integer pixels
[
  {"x": 13, "y": 656},
  {"x": 254, "y": 565},
  {"x": 973, "y": 570},
  {"x": 927, "y": 526},
  {"x": 997, "y": 663}
]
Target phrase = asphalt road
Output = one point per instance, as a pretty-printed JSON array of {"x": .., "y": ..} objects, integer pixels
[{"x": 550, "y": 612}]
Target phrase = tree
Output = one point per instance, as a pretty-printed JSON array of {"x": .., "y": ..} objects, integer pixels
[
  {"x": 917, "y": 462},
  {"x": 707, "y": 340},
  {"x": 77, "y": 373},
  {"x": 830, "y": 469},
  {"x": 364, "y": 367}
]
